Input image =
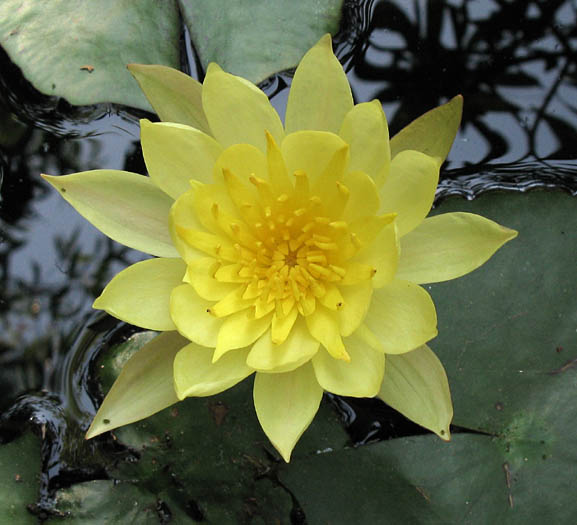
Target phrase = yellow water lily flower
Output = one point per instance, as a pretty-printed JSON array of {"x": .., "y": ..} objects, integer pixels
[{"x": 292, "y": 251}]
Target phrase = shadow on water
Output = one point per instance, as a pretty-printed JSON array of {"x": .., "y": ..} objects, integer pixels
[{"x": 514, "y": 61}]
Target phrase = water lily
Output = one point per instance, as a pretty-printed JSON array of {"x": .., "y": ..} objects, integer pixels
[{"x": 295, "y": 252}]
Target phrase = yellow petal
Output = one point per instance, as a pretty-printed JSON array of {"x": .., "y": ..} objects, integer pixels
[
  {"x": 282, "y": 326},
  {"x": 140, "y": 294},
  {"x": 231, "y": 303},
  {"x": 277, "y": 172},
  {"x": 286, "y": 405},
  {"x": 196, "y": 375},
  {"x": 191, "y": 316},
  {"x": 217, "y": 246},
  {"x": 366, "y": 131},
  {"x": 127, "y": 207},
  {"x": 200, "y": 274},
  {"x": 182, "y": 215},
  {"x": 367, "y": 229},
  {"x": 410, "y": 189},
  {"x": 298, "y": 348},
  {"x": 239, "y": 330},
  {"x": 237, "y": 111},
  {"x": 320, "y": 95},
  {"x": 357, "y": 299},
  {"x": 175, "y": 154},
  {"x": 324, "y": 327},
  {"x": 242, "y": 160},
  {"x": 433, "y": 132},
  {"x": 175, "y": 97},
  {"x": 145, "y": 385},
  {"x": 402, "y": 316},
  {"x": 364, "y": 199},
  {"x": 450, "y": 245},
  {"x": 217, "y": 212},
  {"x": 310, "y": 151},
  {"x": 416, "y": 385},
  {"x": 361, "y": 377},
  {"x": 382, "y": 255}
]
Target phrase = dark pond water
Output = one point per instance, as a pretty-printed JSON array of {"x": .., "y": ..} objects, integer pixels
[{"x": 514, "y": 62}]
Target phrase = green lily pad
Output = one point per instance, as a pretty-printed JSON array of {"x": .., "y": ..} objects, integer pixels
[
  {"x": 257, "y": 38},
  {"x": 211, "y": 451},
  {"x": 104, "y": 501},
  {"x": 507, "y": 339},
  {"x": 79, "y": 51},
  {"x": 20, "y": 464},
  {"x": 507, "y": 330}
]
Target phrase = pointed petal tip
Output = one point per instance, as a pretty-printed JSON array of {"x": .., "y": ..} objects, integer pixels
[
  {"x": 144, "y": 122},
  {"x": 326, "y": 41},
  {"x": 94, "y": 430},
  {"x": 510, "y": 233},
  {"x": 444, "y": 434},
  {"x": 213, "y": 68}
]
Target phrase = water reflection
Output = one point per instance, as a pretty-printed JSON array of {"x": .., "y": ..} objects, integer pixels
[{"x": 514, "y": 62}]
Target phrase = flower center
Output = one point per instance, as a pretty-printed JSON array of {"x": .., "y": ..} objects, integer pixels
[{"x": 292, "y": 255}]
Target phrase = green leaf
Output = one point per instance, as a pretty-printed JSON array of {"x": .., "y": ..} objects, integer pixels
[
  {"x": 80, "y": 50},
  {"x": 507, "y": 330},
  {"x": 257, "y": 38},
  {"x": 507, "y": 340},
  {"x": 209, "y": 450},
  {"x": 20, "y": 464},
  {"x": 106, "y": 501}
]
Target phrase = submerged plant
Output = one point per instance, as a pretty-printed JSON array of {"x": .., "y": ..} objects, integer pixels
[{"x": 294, "y": 252}]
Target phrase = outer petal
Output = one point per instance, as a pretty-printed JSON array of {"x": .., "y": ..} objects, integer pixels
[
  {"x": 237, "y": 111},
  {"x": 432, "y": 133},
  {"x": 144, "y": 387},
  {"x": 175, "y": 97},
  {"x": 450, "y": 245},
  {"x": 182, "y": 215},
  {"x": 196, "y": 375},
  {"x": 357, "y": 299},
  {"x": 200, "y": 274},
  {"x": 364, "y": 198},
  {"x": 324, "y": 327},
  {"x": 362, "y": 377},
  {"x": 190, "y": 315},
  {"x": 382, "y": 254},
  {"x": 239, "y": 330},
  {"x": 310, "y": 151},
  {"x": 297, "y": 349},
  {"x": 175, "y": 154},
  {"x": 416, "y": 385},
  {"x": 320, "y": 95},
  {"x": 402, "y": 316},
  {"x": 410, "y": 189},
  {"x": 365, "y": 129},
  {"x": 140, "y": 294},
  {"x": 286, "y": 404},
  {"x": 125, "y": 206}
]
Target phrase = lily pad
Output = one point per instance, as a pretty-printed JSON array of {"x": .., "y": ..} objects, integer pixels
[
  {"x": 508, "y": 342},
  {"x": 104, "y": 501},
  {"x": 257, "y": 38},
  {"x": 507, "y": 332},
  {"x": 208, "y": 456},
  {"x": 20, "y": 463},
  {"x": 79, "y": 51}
]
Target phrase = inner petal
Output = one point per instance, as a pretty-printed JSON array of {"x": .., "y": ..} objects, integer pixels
[{"x": 283, "y": 241}]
